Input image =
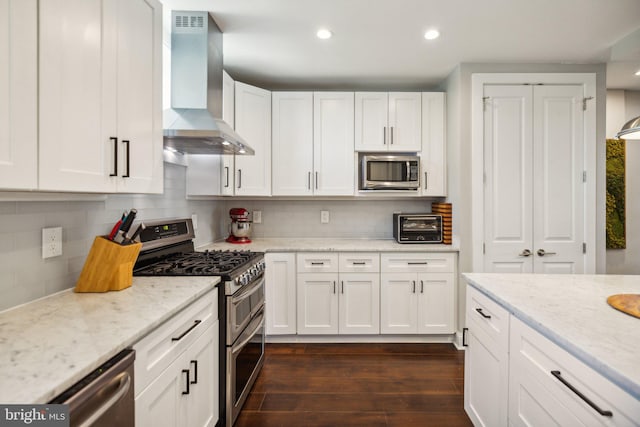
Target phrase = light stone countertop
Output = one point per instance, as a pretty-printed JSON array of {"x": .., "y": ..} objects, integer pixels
[
  {"x": 329, "y": 245},
  {"x": 572, "y": 311},
  {"x": 50, "y": 344}
]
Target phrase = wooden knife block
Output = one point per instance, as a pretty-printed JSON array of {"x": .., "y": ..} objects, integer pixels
[{"x": 109, "y": 266}]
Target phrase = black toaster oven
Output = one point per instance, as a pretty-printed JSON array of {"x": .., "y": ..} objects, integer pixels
[{"x": 417, "y": 228}]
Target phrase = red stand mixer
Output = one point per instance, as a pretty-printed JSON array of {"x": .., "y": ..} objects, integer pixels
[{"x": 240, "y": 226}]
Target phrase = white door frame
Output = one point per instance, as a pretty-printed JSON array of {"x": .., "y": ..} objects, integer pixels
[{"x": 478, "y": 81}]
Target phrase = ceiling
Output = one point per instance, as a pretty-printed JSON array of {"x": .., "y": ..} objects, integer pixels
[{"x": 380, "y": 43}]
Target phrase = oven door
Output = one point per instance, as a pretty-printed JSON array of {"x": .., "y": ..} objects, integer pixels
[
  {"x": 242, "y": 306},
  {"x": 244, "y": 360}
]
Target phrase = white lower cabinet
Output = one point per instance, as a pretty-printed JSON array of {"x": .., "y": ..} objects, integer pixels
[
  {"x": 417, "y": 293},
  {"x": 338, "y": 293},
  {"x": 548, "y": 386},
  {"x": 486, "y": 362},
  {"x": 280, "y": 293},
  {"x": 517, "y": 377},
  {"x": 176, "y": 382}
]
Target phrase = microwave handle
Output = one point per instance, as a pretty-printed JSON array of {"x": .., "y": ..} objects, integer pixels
[{"x": 408, "y": 171}]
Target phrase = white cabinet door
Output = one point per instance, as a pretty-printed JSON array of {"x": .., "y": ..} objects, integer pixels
[
  {"x": 534, "y": 190},
  {"x": 139, "y": 96},
  {"x": 398, "y": 303},
  {"x": 201, "y": 359},
  {"x": 486, "y": 368},
  {"x": 436, "y": 303},
  {"x": 292, "y": 143},
  {"x": 253, "y": 123},
  {"x": 371, "y": 119},
  {"x": 433, "y": 157},
  {"x": 228, "y": 115},
  {"x": 405, "y": 118},
  {"x": 280, "y": 293},
  {"x": 100, "y": 113},
  {"x": 333, "y": 155},
  {"x": 318, "y": 303},
  {"x": 359, "y": 303},
  {"x": 18, "y": 94}
]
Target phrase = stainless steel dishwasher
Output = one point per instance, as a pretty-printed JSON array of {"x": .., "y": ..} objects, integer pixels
[{"x": 105, "y": 396}]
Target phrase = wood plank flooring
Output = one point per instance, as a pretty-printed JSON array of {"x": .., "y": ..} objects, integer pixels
[{"x": 358, "y": 385}]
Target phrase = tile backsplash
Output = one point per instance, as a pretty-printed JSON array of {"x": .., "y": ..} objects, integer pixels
[{"x": 25, "y": 276}]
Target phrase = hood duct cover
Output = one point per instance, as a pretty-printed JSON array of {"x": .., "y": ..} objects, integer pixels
[{"x": 193, "y": 124}]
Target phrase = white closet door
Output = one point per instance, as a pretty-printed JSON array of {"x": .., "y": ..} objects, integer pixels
[
  {"x": 558, "y": 189},
  {"x": 534, "y": 190},
  {"x": 508, "y": 178}
]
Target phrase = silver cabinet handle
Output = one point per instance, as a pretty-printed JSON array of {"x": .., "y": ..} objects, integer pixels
[
  {"x": 317, "y": 263},
  {"x": 226, "y": 172},
  {"x": 309, "y": 180},
  {"x": 316, "y": 180},
  {"x": 414, "y": 286},
  {"x": 239, "y": 178},
  {"x": 541, "y": 252},
  {"x": 525, "y": 253},
  {"x": 422, "y": 286},
  {"x": 391, "y": 135},
  {"x": 384, "y": 135},
  {"x": 342, "y": 283},
  {"x": 334, "y": 286}
]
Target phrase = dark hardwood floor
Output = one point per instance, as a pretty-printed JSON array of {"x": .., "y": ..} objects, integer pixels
[{"x": 358, "y": 385}]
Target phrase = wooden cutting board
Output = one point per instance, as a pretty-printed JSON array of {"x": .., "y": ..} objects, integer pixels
[{"x": 627, "y": 303}]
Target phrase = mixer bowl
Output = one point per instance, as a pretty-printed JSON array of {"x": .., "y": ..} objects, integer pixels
[{"x": 241, "y": 228}]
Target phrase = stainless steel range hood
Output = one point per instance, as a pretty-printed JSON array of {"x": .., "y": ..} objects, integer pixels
[{"x": 193, "y": 124}]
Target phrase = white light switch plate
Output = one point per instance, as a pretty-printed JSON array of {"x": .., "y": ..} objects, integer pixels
[
  {"x": 51, "y": 242},
  {"x": 257, "y": 217},
  {"x": 324, "y": 217}
]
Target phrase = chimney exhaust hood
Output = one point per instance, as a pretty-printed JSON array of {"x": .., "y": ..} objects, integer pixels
[{"x": 193, "y": 124}]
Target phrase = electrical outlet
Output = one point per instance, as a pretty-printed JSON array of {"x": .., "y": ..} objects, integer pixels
[
  {"x": 324, "y": 217},
  {"x": 51, "y": 242},
  {"x": 257, "y": 217}
]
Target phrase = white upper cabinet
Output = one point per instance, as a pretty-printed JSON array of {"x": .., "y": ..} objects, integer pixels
[
  {"x": 433, "y": 158},
  {"x": 388, "y": 121},
  {"x": 313, "y": 144},
  {"x": 18, "y": 94},
  {"x": 253, "y": 123},
  {"x": 100, "y": 71},
  {"x": 333, "y": 155},
  {"x": 292, "y": 143}
]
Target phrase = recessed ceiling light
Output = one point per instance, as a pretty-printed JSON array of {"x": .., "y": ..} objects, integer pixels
[
  {"x": 638, "y": 73},
  {"x": 432, "y": 34},
  {"x": 324, "y": 34}
]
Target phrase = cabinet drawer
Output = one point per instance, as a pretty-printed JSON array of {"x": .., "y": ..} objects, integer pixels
[
  {"x": 359, "y": 262},
  {"x": 538, "y": 361},
  {"x": 318, "y": 262},
  {"x": 485, "y": 314},
  {"x": 420, "y": 262},
  {"x": 156, "y": 351}
]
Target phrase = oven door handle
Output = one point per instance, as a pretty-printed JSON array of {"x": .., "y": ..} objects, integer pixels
[
  {"x": 250, "y": 290},
  {"x": 259, "y": 319}
]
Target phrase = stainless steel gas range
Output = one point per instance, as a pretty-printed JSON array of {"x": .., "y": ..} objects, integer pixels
[{"x": 168, "y": 250}]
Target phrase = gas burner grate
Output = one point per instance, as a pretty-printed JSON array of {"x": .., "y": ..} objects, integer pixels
[{"x": 207, "y": 263}]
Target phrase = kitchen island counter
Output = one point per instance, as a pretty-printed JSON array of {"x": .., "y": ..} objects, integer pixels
[
  {"x": 306, "y": 244},
  {"x": 572, "y": 311},
  {"x": 49, "y": 344}
]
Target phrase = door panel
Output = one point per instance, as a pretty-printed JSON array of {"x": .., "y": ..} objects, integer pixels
[
  {"x": 507, "y": 162},
  {"x": 399, "y": 307},
  {"x": 359, "y": 303},
  {"x": 317, "y": 303},
  {"x": 558, "y": 218}
]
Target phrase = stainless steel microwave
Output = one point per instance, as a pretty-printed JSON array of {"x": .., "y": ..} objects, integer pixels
[
  {"x": 389, "y": 172},
  {"x": 417, "y": 228}
]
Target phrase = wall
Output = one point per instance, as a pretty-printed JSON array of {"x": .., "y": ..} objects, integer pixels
[
  {"x": 622, "y": 106},
  {"x": 25, "y": 276}
]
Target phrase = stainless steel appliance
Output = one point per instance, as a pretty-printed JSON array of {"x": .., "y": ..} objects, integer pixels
[
  {"x": 104, "y": 398},
  {"x": 168, "y": 250},
  {"x": 417, "y": 228},
  {"x": 193, "y": 124},
  {"x": 389, "y": 172}
]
